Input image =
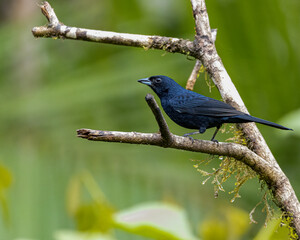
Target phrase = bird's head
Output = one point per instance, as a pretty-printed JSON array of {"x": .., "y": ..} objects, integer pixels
[{"x": 160, "y": 84}]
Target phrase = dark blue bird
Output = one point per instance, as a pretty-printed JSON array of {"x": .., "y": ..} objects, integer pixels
[{"x": 195, "y": 111}]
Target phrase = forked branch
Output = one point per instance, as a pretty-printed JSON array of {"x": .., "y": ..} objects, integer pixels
[{"x": 166, "y": 139}]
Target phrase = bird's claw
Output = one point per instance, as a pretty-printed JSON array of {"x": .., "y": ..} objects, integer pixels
[{"x": 189, "y": 137}]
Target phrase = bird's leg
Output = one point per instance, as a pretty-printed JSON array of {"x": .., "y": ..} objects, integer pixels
[
  {"x": 201, "y": 130},
  {"x": 215, "y": 133},
  {"x": 192, "y": 133}
]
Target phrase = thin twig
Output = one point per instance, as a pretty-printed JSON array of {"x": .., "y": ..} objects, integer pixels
[
  {"x": 194, "y": 75},
  {"x": 49, "y": 13},
  {"x": 162, "y": 124}
]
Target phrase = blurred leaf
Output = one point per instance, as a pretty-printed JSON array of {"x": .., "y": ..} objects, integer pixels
[
  {"x": 72, "y": 235},
  {"x": 214, "y": 229},
  {"x": 231, "y": 223},
  {"x": 274, "y": 231},
  {"x": 237, "y": 221},
  {"x": 155, "y": 220},
  {"x": 94, "y": 217}
]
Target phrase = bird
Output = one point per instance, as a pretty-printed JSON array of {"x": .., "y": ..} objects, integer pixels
[{"x": 192, "y": 110}]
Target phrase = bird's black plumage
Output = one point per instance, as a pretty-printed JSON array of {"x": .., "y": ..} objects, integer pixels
[{"x": 195, "y": 111}]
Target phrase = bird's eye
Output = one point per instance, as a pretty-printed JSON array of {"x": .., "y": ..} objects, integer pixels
[{"x": 157, "y": 80}]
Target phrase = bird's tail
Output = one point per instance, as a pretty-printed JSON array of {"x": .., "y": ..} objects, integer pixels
[{"x": 262, "y": 121}]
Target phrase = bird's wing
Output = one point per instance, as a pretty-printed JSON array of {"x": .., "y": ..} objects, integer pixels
[{"x": 204, "y": 106}]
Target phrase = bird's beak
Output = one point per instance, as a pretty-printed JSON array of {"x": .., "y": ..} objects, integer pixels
[{"x": 145, "y": 81}]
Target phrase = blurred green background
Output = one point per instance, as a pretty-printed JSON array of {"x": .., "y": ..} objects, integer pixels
[{"x": 49, "y": 88}]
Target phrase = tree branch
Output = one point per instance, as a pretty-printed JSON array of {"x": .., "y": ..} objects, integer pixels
[
  {"x": 49, "y": 13},
  {"x": 55, "y": 29},
  {"x": 202, "y": 48}
]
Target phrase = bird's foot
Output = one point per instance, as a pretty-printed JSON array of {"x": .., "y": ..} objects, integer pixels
[
  {"x": 189, "y": 137},
  {"x": 189, "y": 134},
  {"x": 215, "y": 141}
]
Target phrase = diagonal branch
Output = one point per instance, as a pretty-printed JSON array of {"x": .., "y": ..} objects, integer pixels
[
  {"x": 214, "y": 66},
  {"x": 166, "y": 135},
  {"x": 194, "y": 75}
]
